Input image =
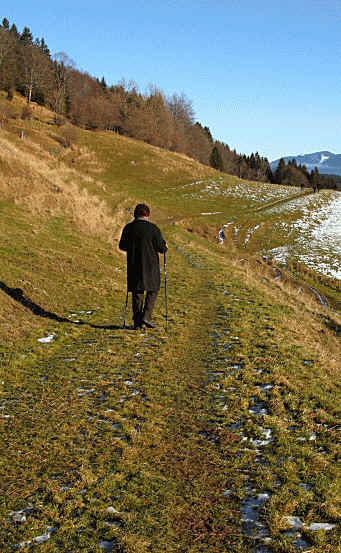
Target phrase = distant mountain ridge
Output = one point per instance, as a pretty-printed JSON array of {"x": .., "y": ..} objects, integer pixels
[{"x": 326, "y": 162}]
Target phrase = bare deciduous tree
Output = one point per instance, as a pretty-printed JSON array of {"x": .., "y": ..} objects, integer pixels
[
  {"x": 181, "y": 108},
  {"x": 36, "y": 70},
  {"x": 62, "y": 66}
]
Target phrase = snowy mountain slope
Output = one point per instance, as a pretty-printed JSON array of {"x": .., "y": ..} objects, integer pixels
[{"x": 326, "y": 162}]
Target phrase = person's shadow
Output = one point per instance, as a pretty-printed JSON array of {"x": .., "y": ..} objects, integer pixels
[{"x": 18, "y": 295}]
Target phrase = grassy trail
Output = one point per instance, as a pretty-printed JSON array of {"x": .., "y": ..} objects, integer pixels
[
  {"x": 220, "y": 436},
  {"x": 283, "y": 201},
  {"x": 136, "y": 442}
]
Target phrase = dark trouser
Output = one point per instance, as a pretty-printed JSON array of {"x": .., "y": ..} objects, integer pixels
[{"x": 143, "y": 307}]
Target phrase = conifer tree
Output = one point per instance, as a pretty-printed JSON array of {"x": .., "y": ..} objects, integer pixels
[
  {"x": 44, "y": 48},
  {"x": 208, "y": 134},
  {"x": 14, "y": 32},
  {"x": 26, "y": 36},
  {"x": 215, "y": 159},
  {"x": 252, "y": 161},
  {"x": 201, "y": 146},
  {"x": 7, "y": 60},
  {"x": 315, "y": 179},
  {"x": 268, "y": 172},
  {"x": 280, "y": 172}
]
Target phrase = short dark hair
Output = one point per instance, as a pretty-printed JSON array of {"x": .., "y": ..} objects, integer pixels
[{"x": 141, "y": 210}]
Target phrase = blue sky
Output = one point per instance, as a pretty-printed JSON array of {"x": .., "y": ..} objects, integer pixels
[{"x": 262, "y": 75}]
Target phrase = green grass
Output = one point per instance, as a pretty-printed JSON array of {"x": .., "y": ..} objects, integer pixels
[{"x": 158, "y": 426}]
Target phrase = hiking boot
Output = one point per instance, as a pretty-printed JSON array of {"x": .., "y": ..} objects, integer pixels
[
  {"x": 148, "y": 324},
  {"x": 137, "y": 321}
]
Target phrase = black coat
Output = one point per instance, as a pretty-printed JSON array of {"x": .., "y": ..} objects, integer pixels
[{"x": 143, "y": 242}]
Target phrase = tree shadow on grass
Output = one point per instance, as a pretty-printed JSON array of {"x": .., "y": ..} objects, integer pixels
[{"x": 18, "y": 295}]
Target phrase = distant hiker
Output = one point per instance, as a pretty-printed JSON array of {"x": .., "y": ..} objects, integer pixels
[{"x": 143, "y": 242}]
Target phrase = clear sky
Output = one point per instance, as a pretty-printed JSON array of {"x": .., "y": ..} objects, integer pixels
[{"x": 262, "y": 75}]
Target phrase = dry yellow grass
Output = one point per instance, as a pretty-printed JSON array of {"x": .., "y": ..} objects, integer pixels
[
  {"x": 164, "y": 452},
  {"x": 46, "y": 186},
  {"x": 305, "y": 325},
  {"x": 306, "y": 328}
]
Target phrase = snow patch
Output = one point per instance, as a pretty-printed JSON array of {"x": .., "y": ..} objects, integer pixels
[
  {"x": 251, "y": 513},
  {"x": 47, "y": 339},
  {"x": 212, "y": 213},
  {"x": 84, "y": 392},
  {"x": 315, "y": 526},
  {"x": 316, "y": 234},
  {"x": 39, "y": 539},
  {"x": 108, "y": 546},
  {"x": 267, "y": 435},
  {"x": 112, "y": 511},
  {"x": 258, "y": 409},
  {"x": 296, "y": 523}
]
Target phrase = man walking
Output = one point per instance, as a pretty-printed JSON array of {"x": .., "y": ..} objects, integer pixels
[{"x": 143, "y": 242}]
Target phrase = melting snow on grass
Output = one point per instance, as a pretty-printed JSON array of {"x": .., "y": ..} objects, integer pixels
[
  {"x": 256, "y": 193},
  {"x": 251, "y": 515},
  {"x": 20, "y": 516},
  {"x": 296, "y": 523},
  {"x": 212, "y": 213},
  {"x": 251, "y": 231},
  {"x": 39, "y": 539},
  {"x": 316, "y": 238},
  {"x": 84, "y": 392},
  {"x": 47, "y": 339},
  {"x": 107, "y": 546},
  {"x": 267, "y": 435}
]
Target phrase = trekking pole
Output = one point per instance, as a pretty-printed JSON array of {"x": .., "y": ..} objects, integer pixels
[
  {"x": 166, "y": 297},
  {"x": 125, "y": 310}
]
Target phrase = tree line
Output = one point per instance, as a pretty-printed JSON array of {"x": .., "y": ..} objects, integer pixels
[
  {"x": 291, "y": 174},
  {"x": 26, "y": 66}
]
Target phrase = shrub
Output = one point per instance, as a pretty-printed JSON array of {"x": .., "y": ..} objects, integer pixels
[
  {"x": 26, "y": 113},
  {"x": 6, "y": 113},
  {"x": 69, "y": 136},
  {"x": 59, "y": 120}
]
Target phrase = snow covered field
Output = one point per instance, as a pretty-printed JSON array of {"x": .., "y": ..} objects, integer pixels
[
  {"x": 309, "y": 227},
  {"x": 257, "y": 193},
  {"x": 314, "y": 238},
  {"x": 254, "y": 193}
]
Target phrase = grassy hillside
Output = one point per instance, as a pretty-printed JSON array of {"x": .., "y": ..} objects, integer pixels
[{"x": 221, "y": 435}]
